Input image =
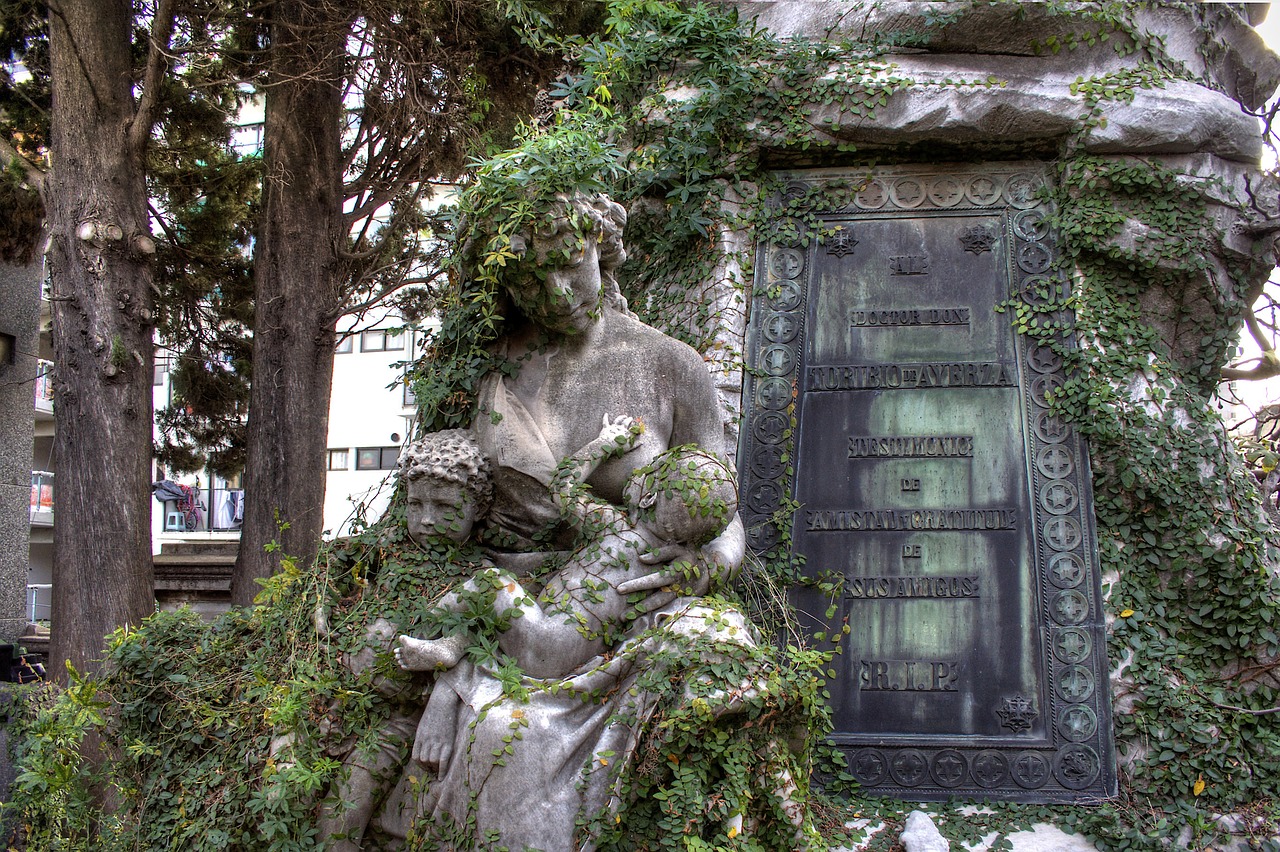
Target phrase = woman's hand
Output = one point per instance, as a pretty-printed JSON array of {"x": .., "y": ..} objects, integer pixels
[
  {"x": 687, "y": 573},
  {"x": 714, "y": 565}
]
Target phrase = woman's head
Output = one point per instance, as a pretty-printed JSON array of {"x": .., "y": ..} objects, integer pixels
[{"x": 572, "y": 254}]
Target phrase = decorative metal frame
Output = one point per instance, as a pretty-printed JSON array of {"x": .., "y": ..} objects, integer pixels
[{"x": 1075, "y": 762}]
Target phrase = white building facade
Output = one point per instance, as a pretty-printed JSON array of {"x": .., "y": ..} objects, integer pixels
[{"x": 371, "y": 417}]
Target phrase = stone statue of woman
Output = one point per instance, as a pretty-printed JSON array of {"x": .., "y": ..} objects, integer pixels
[{"x": 531, "y": 764}]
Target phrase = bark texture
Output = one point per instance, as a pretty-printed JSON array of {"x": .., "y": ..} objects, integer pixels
[
  {"x": 296, "y": 282},
  {"x": 99, "y": 261}
]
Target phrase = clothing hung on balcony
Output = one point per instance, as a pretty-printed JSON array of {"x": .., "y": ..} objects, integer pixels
[
  {"x": 228, "y": 510},
  {"x": 186, "y": 500}
]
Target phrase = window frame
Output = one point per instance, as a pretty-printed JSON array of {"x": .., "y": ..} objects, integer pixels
[
  {"x": 381, "y": 340},
  {"x": 388, "y": 458}
]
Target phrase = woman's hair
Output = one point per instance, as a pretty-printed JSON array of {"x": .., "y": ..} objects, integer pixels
[{"x": 450, "y": 455}]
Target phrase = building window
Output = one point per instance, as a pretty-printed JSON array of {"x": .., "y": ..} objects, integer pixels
[
  {"x": 161, "y": 367},
  {"x": 247, "y": 139},
  {"x": 339, "y": 459},
  {"x": 377, "y": 458},
  {"x": 344, "y": 345},
  {"x": 409, "y": 398},
  {"x": 381, "y": 340}
]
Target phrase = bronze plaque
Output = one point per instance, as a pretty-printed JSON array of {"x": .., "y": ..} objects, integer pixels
[{"x": 898, "y": 435}]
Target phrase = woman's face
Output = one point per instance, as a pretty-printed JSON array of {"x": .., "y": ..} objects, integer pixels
[{"x": 569, "y": 301}]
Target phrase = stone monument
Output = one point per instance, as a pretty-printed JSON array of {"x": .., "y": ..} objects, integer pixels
[
  {"x": 934, "y": 480},
  {"x": 898, "y": 427},
  {"x": 595, "y": 479}
]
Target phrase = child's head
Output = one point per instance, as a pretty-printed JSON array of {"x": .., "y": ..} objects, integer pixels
[
  {"x": 686, "y": 496},
  {"x": 448, "y": 483}
]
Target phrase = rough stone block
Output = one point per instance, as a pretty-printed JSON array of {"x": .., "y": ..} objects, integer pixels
[
  {"x": 1030, "y": 104},
  {"x": 19, "y": 312},
  {"x": 1215, "y": 43},
  {"x": 921, "y": 835}
]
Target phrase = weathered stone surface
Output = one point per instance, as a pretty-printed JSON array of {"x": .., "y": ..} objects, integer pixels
[
  {"x": 719, "y": 307},
  {"x": 1030, "y": 103},
  {"x": 14, "y": 527},
  {"x": 1216, "y": 43},
  {"x": 19, "y": 309},
  {"x": 1048, "y": 838},
  {"x": 921, "y": 835},
  {"x": 196, "y": 575},
  {"x": 1241, "y": 218}
]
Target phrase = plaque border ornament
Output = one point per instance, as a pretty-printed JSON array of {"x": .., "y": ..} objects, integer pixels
[{"x": 1074, "y": 760}]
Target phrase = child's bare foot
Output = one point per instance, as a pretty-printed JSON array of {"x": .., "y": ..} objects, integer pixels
[
  {"x": 433, "y": 745},
  {"x": 424, "y": 655}
]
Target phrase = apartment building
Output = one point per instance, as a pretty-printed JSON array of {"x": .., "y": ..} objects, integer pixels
[
  {"x": 371, "y": 415},
  {"x": 40, "y": 559}
]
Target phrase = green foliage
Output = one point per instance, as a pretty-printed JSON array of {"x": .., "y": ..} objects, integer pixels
[
  {"x": 206, "y": 205},
  {"x": 1184, "y": 547},
  {"x": 24, "y": 97},
  {"x": 700, "y": 776},
  {"x": 1180, "y": 529},
  {"x": 24, "y": 123},
  {"x": 53, "y": 794},
  {"x": 23, "y": 224},
  {"x": 230, "y": 735},
  {"x": 186, "y": 721}
]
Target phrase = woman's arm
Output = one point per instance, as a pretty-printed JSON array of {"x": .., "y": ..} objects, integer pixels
[
  {"x": 697, "y": 421},
  {"x": 617, "y": 436}
]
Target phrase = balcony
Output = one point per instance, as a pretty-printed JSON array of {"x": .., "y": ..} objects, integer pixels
[
  {"x": 188, "y": 509},
  {"x": 44, "y": 387},
  {"x": 41, "y": 498}
]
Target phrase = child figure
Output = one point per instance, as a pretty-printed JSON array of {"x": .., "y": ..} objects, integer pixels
[
  {"x": 449, "y": 488},
  {"x": 686, "y": 496}
]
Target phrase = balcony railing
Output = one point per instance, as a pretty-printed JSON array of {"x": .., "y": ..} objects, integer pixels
[
  {"x": 44, "y": 386},
  {"x": 39, "y": 602},
  {"x": 41, "y": 498}
]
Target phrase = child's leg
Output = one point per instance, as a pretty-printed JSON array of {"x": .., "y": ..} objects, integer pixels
[
  {"x": 433, "y": 745},
  {"x": 364, "y": 776},
  {"x": 551, "y": 638}
]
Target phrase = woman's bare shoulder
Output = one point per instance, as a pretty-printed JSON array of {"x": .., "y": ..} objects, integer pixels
[{"x": 659, "y": 344}]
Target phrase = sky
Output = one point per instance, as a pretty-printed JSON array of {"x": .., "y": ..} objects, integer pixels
[{"x": 1270, "y": 28}]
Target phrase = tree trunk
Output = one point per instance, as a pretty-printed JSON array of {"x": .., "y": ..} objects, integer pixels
[
  {"x": 296, "y": 278},
  {"x": 99, "y": 259}
]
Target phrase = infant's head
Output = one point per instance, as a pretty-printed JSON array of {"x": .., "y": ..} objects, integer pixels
[
  {"x": 686, "y": 496},
  {"x": 448, "y": 483}
]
